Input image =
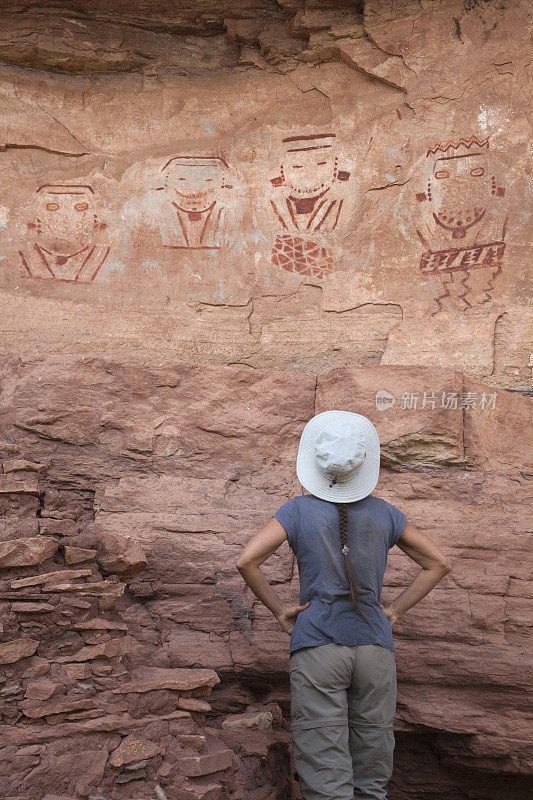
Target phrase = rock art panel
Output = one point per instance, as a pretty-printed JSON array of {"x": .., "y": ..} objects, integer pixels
[
  {"x": 378, "y": 87},
  {"x": 306, "y": 203},
  {"x": 65, "y": 235},
  {"x": 463, "y": 226},
  {"x": 194, "y": 214}
]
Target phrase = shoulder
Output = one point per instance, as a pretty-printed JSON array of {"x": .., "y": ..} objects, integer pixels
[
  {"x": 291, "y": 503},
  {"x": 304, "y": 501},
  {"x": 379, "y": 504},
  {"x": 289, "y": 516},
  {"x": 288, "y": 511},
  {"x": 310, "y": 504},
  {"x": 311, "y": 500},
  {"x": 396, "y": 519},
  {"x": 386, "y": 511}
]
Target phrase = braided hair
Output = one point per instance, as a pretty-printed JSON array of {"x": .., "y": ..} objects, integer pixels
[{"x": 350, "y": 572}]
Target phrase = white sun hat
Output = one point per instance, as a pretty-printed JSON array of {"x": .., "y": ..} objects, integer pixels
[{"x": 338, "y": 456}]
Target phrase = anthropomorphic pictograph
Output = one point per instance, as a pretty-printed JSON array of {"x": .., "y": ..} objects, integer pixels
[
  {"x": 463, "y": 229},
  {"x": 307, "y": 203},
  {"x": 65, "y": 237},
  {"x": 194, "y": 211}
]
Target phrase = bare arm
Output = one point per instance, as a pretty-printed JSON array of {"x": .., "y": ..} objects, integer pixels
[
  {"x": 258, "y": 549},
  {"x": 435, "y": 565}
]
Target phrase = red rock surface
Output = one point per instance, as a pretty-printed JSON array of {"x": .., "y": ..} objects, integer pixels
[
  {"x": 160, "y": 358},
  {"x": 26, "y": 552},
  {"x": 181, "y": 681},
  {"x": 415, "y": 257}
]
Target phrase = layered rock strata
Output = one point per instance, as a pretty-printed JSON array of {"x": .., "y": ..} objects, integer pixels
[
  {"x": 283, "y": 185},
  {"x": 132, "y": 646}
]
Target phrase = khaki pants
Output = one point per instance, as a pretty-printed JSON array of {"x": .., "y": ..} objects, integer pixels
[{"x": 343, "y": 701}]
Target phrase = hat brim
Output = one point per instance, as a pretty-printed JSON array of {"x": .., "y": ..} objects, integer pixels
[{"x": 361, "y": 483}]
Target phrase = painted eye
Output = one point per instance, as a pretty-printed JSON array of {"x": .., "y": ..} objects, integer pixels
[
  {"x": 321, "y": 163},
  {"x": 52, "y": 206},
  {"x": 442, "y": 173},
  {"x": 209, "y": 180},
  {"x": 81, "y": 206},
  {"x": 297, "y": 166},
  {"x": 477, "y": 171}
]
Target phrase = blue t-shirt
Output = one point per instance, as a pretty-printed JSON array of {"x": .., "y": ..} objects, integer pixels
[{"x": 312, "y": 526}]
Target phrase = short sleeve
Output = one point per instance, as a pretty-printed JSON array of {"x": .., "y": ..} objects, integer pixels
[
  {"x": 398, "y": 519},
  {"x": 289, "y": 516}
]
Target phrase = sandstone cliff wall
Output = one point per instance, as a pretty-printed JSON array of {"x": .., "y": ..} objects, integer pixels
[
  {"x": 218, "y": 219},
  {"x": 290, "y": 185},
  {"x": 121, "y": 601}
]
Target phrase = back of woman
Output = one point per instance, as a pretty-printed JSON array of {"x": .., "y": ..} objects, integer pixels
[
  {"x": 312, "y": 527},
  {"x": 342, "y": 662}
]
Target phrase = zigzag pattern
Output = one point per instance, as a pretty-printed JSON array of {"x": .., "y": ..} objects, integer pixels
[{"x": 451, "y": 145}]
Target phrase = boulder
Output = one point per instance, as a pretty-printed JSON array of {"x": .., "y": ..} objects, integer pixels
[
  {"x": 131, "y": 750},
  {"x": 27, "y": 552},
  {"x": 17, "y": 649},
  {"x": 148, "y": 679}
]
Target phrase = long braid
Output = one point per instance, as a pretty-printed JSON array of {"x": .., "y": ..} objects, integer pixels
[{"x": 350, "y": 572}]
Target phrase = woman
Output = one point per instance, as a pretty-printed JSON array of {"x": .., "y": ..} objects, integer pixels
[{"x": 342, "y": 664}]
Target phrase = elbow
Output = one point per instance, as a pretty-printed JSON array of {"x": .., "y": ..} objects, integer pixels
[
  {"x": 245, "y": 567},
  {"x": 440, "y": 564}
]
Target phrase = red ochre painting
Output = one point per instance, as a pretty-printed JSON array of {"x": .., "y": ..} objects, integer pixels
[
  {"x": 65, "y": 235},
  {"x": 194, "y": 212},
  {"x": 464, "y": 231},
  {"x": 306, "y": 204}
]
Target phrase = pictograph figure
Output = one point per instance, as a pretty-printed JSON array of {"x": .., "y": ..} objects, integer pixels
[
  {"x": 464, "y": 227},
  {"x": 194, "y": 213},
  {"x": 66, "y": 235},
  {"x": 307, "y": 203}
]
